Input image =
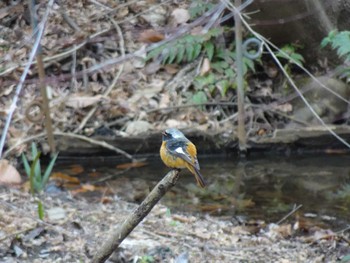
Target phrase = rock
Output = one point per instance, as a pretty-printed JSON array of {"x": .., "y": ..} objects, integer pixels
[{"x": 327, "y": 105}]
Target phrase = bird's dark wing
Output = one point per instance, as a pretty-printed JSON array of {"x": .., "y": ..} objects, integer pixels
[{"x": 178, "y": 149}]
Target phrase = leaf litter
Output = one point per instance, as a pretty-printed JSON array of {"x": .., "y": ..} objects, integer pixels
[{"x": 74, "y": 227}]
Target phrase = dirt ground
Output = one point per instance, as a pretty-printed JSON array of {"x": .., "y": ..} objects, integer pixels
[{"x": 74, "y": 228}]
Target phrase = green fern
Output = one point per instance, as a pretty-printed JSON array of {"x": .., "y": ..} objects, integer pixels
[
  {"x": 199, "y": 7},
  {"x": 289, "y": 52},
  {"x": 339, "y": 41},
  {"x": 186, "y": 48},
  {"x": 223, "y": 72}
]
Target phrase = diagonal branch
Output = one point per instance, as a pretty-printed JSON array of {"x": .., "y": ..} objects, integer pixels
[{"x": 124, "y": 229}]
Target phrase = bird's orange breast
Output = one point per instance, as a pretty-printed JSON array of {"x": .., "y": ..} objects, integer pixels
[{"x": 171, "y": 160}]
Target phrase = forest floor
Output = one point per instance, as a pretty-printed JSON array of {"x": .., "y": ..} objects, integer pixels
[
  {"x": 125, "y": 98},
  {"x": 74, "y": 228}
]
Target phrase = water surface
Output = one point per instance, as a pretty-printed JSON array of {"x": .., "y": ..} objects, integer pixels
[{"x": 263, "y": 188}]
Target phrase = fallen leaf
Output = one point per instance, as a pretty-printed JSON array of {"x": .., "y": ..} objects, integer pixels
[
  {"x": 76, "y": 169},
  {"x": 88, "y": 187},
  {"x": 94, "y": 174},
  {"x": 180, "y": 16},
  {"x": 157, "y": 17},
  {"x": 150, "y": 36},
  {"x": 56, "y": 213},
  {"x": 140, "y": 57},
  {"x": 152, "y": 68},
  {"x": 8, "y": 174},
  {"x": 138, "y": 127},
  {"x": 286, "y": 107},
  {"x": 175, "y": 123},
  {"x": 171, "y": 68},
  {"x": 65, "y": 178},
  {"x": 131, "y": 165},
  {"x": 106, "y": 200},
  {"x": 205, "y": 67},
  {"x": 79, "y": 102},
  {"x": 7, "y": 91}
]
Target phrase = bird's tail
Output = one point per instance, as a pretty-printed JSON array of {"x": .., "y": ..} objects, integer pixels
[{"x": 199, "y": 178}]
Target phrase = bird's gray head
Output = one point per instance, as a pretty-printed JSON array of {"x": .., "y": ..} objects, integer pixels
[{"x": 172, "y": 133}]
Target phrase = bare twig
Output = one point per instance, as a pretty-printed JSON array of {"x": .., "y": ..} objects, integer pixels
[
  {"x": 124, "y": 229},
  {"x": 20, "y": 142},
  {"x": 68, "y": 19},
  {"x": 101, "y": 5},
  {"x": 241, "y": 133},
  {"x": 96, "y": 142},
  {"x": 72, "y": 135},
  {"x": 289, "y": 214},
  {"x": 24, "y": 75}
]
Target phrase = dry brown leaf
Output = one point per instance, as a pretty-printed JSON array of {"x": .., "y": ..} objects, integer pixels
[
  {"x": 138, "y": 127},
  {"x": 157, "y": 17},
  {"x": 150, "y": 36},
  {"x": 76, "y": 169},
  {"x": 205, "y": 67},
  {"x": 183, "y": 219},
  {"x": 286, "y": 107},
  {"x": 180, "y": 16},
  {"x": 88, "y": 187},
  {"x": 164, "y": 100},
  {"x": 171, "y": 68},
  {"x": 7, "y": 90},
  {"x": 8, "y": 174},
  {"x": 148, "y": 93},
  {"x": 65, "y": 178},
  {"x": 122, "y": 12},
  {"x": 152, "y": 68},
  {"x": 94, "y": 174},
  {"x": 140, "y": 57},
  {"x": 175, "y": 123},
  {"x": 77, "y": 101},
  {"x": 131, "y": 165}
]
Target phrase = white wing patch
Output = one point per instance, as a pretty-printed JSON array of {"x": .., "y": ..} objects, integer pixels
[{"x": 180, "y": 150}]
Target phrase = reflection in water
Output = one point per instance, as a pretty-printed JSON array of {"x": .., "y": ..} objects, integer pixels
[{"x": 261, "y": 188}]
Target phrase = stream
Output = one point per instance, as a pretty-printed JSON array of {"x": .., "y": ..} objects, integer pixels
[{"x": 260, "y": 188}]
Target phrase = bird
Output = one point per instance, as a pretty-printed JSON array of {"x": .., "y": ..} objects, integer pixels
[{"x": 178, "y": 152}]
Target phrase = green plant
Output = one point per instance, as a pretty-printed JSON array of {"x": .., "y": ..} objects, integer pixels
[
  {"x": 199, "y": 7},
  {"x": 289, "y": 52},
  {"x": 339, "y": 41},
  {"x": 343, "y": 193},
  {"x": 146, "y": 259},
  {"x": 223, "y": 75},
  {"x": 38, "y": 180},
  {"x": 186, "y": 48},
  {"x": 345, "y": 259}
]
